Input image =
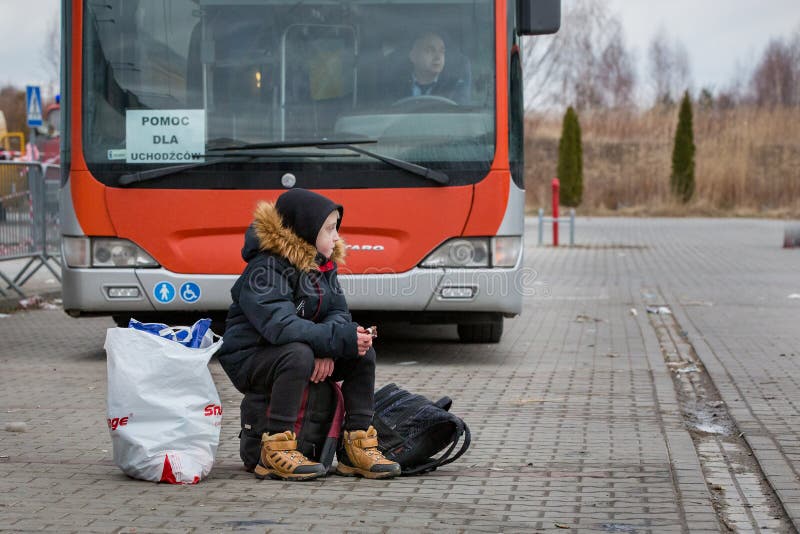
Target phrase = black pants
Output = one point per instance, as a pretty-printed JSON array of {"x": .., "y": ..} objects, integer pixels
[{"x": 282, "y": 372}]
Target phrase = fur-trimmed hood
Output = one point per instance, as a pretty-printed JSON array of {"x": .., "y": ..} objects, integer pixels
[{"x": 268, "y": 233}]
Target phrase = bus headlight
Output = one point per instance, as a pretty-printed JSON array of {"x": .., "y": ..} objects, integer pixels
[
  {"x": 476, "y": 252},
  {"x": 119, "y": 253},
  {"x": 460, "y": 253}
]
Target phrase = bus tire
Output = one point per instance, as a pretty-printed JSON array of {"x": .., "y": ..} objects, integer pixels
[
  {"x": 481, "y": 332},
  {"x": 121, "y": 320},
  {"x": 218, "y": 324}
]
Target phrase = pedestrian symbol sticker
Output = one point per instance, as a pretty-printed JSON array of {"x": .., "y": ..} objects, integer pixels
[
  {"x": 190, "y": 292},
  {"x": 164, "y": 292}
]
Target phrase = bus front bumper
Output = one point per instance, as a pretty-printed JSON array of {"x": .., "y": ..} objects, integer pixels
[{"x": 114, "y": 291}]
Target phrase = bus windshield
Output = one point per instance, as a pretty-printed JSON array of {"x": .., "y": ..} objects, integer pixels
[{"x": 169, "y": 81}]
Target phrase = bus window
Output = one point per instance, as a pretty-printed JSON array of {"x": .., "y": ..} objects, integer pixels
[{"x": 274, "y": 70}]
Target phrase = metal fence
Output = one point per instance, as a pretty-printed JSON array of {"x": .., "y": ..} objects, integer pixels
[{"x": 29, "y": 224}]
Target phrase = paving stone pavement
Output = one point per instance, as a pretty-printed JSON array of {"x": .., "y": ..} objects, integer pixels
[{"x": 576, "y": 423}]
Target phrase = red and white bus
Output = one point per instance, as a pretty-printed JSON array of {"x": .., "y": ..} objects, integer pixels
[{"x": 180, "y": 115}]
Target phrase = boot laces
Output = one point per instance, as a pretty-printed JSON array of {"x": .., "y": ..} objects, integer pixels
[
  {"x": 373, "y": 453},
  {"x": 299, "y": 455},
  {"x": 295, "y": 454}
]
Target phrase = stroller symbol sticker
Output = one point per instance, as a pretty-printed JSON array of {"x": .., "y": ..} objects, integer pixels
[
  {"x": 164, "y": 292},
  {"x": 190, "y": 292}
]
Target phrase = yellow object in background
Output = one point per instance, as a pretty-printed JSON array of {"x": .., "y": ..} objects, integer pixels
[
  {"x": 6, "y": 137},
  {"x": 325, "y": 72}
]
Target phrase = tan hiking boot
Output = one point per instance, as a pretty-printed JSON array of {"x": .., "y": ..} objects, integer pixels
[
  {"x": 280, "y": 459},
  {"x": 359, "y": 455}
]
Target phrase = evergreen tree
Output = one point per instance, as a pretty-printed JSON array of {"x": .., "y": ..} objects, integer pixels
[
  {"x": 570, "y": 160},
  {"x": 682, "y": 179}
]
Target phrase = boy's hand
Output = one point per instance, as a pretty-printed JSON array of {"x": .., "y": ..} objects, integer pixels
[
  {"x": 364, "y": 340},
  {"x": 323, "y": 368}
]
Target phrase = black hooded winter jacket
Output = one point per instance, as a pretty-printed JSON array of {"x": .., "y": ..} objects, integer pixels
[{"x": 288, "y": 291}]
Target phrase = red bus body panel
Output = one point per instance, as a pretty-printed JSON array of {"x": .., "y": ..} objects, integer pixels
[{"x": 201, "y": 232}]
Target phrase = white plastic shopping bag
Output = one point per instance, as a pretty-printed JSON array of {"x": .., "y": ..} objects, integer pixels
[{"x": 164, "y": 412}]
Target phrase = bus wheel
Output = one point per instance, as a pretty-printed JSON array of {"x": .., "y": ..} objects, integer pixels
[
  {"x": 218, "y": 324},
  {"x": 481, "y": 332}
]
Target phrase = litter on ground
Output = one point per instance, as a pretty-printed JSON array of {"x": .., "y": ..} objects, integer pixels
[
  {"x": 16, "y": 427},
  {"x": 36, "y": 302}
]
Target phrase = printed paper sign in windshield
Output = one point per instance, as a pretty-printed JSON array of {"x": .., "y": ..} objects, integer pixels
[{"x": 165, "y": 136}]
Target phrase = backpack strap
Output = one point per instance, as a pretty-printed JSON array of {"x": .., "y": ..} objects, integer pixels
[
  {"x": 338, "y": 416},
  {"x": 444, "y": 403},
  {"x": 445, "y": 458},
  {"x": 335, "y": 430}
]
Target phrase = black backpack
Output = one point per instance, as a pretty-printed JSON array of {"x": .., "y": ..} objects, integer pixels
[
  {"x": 412, "y": 430},
  {"x": 318, "y": 426}
]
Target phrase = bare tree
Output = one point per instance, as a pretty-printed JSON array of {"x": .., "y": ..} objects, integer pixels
[
  {"x": 616, "y": 72},
  {"x": 735, "y": 91},
  {"x": 668, "y": 67},
  {"x": 659, "y": 57},
  {"x": 542, "y": 64},
  {"x": 776, "y": 79},
  {"x": 51, "y": 56},
  {"x": 682, "y": 73},
  {"x": 586, "y": 64}
]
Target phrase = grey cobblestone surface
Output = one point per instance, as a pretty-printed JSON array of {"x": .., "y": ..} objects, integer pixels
[{"x": 574, "y": 415}]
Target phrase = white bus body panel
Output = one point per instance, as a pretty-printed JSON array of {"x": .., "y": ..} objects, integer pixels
[{"x": 419, "y": 290}]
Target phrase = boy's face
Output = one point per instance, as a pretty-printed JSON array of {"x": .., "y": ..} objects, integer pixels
[{"x": 328, "y": 235}]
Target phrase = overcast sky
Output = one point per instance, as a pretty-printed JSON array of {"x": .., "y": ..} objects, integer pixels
[
  {"x": 719, "y": 34},
  {"x": 23, "y": 26}
]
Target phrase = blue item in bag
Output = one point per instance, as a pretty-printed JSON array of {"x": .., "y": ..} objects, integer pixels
[{"x": 190, "y": 337}]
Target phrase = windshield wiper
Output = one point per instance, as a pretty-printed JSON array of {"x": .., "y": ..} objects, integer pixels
[
  {"x": 332, "y": 144},
  {"x": 419, "y": 170},
  {"x": 144, "y": 176},
  {"x": 233, "y": 157},
  {"x": 152, "y": 174}
]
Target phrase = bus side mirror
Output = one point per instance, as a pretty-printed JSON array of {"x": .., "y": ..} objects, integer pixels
[{"x": 538, "y": 17}]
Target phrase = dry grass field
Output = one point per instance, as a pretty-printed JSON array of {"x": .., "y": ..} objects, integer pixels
[{"x": 747, "y": 162}]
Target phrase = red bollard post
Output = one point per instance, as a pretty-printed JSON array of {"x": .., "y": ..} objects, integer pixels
[{"x": 556, "y": 186}]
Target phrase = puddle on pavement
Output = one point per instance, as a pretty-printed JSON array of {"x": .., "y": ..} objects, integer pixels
[
  {"x": 706, "y": 417},
  {"x": 743, "y": 500}
]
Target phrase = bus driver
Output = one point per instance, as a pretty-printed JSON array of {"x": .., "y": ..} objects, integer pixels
[{"x": 427, "y": 74}]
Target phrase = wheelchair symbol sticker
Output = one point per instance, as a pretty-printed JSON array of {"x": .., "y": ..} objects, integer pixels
[
  {"x": 190, "y": 292},
  {"x": 164, "y": 292}
]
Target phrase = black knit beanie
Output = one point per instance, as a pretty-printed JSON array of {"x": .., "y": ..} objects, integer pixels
[{"x": 304, "y": 212}]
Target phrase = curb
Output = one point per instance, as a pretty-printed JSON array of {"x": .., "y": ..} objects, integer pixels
[
  {"x": 766, "y": 451},
  {"x": 690, "y": 485}
]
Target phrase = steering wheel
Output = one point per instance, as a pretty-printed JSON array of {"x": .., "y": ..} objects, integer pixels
[{"x": 422, "y": 100}]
